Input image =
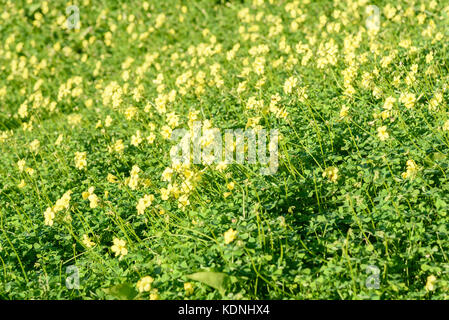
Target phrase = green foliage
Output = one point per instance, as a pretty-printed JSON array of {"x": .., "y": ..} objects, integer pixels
[
  {"x": 216, "y": 280},
  {"x": 361, "y": 185},
  {"x": 124, "y": 291}
]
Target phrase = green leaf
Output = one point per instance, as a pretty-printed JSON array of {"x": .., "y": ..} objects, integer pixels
[
  {"x": 440, "y": 204},
  {"x": 425, "y": 267},
  {"x": 216, "y": 280},
  {"x": 34, "y": 7},
  {"x": 124, "y": 291}
]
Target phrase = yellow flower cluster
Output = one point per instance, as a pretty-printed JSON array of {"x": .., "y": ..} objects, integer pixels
[
  {"x": 144, "y": 203},
  {"x": 87, "y": 242},
  {"x": 61, "y": 204},
  {"x": 382, "y": 133},
  {"x": 93, "y": 198},
  {"x": 144, "y": 284},
  {"x": 412, "y": 170},
  {"x": 81, "y": 160},
  {"x": 134, "y": 178},
  {"x": 119, "y": 248},
  {"x": 230, "y": 236},
  {"x": 331, "y": 173}
]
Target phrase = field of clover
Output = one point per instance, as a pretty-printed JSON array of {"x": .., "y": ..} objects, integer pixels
[{"x": 93, "y": 207}]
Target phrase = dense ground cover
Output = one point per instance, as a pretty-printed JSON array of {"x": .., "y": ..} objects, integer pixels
[{"x": 92, "y": 207}]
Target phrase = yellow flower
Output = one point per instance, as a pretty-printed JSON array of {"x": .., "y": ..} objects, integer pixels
[
  {"x": 172, "y": 119},
  {"x": 188, "y": 287},
  {"x": 430, "y": 284},
  {"x": 344, "y": 111},
  {"x": 331, "y": 173},
  {"x": 63, "y": 202},
  {"x": 144, "y": 203},
  {"x": 49, "y": 215},
  {"x": 144, "y": 284},
  {"x": 119, "y": 248},
  {"x": 221, "y": 166},
  {"x": 118, "y": 146},
  {"x": 385, "y": 114},
  {"x": 130, "y": 113},
  {"x": 165, "y": 194},
  {"x": 166, "y": 132},
  {"x": 30, "y": 171},
  {"x": 93, "y": 201},
  {"x": 89, "y": 103},
  {"x": 136, "y": 139},
  {"x": 408, "y": 99},
  {"x": 21, "y": 165},
  {"x": 23, "y": 111},
  {"x": 183, "y": 201},
  {"x": 111, "y": 178},
  {"x": 22, "y": 184},
  {"x": 151, "y": 138},
  {"x": 382, "y": 133},
  {"x": 289, "y": 84},
  {"x": 230, "y": 236},
  {"x": 108, "y": 121},
  {"x": 87, "y": 242},
  {"x": 34, "y": 145},
  {"x": 80, "y": 160},
  {"x": 91, "y": 196},
  {"x": 134, "y": 177},
  {"x": 167, "y": 174},
  {"x": 412, "y": 170},
  {"x": 154, "y": 294},
  {"x": 389, "y": 102}
]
